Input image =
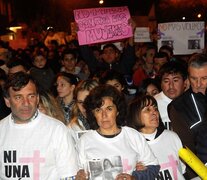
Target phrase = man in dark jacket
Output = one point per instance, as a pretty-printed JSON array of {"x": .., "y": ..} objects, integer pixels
[{"x": 188, "y": 112}]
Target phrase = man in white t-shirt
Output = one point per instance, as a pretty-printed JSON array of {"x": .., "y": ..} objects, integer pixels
[
  {"x": 33, "y": 145},
  {"x": 173, "y": 77}
]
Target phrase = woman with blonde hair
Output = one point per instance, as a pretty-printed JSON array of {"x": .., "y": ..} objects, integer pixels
[
  {"x": 78, "y": 122},
  {"x": 49, "y": 106}
]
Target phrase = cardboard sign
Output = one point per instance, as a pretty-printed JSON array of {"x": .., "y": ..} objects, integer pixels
[
  {"x": 142, "y": 34},
  {"x": 183, "y": 37},
  {"x": 98, "y": 25}
]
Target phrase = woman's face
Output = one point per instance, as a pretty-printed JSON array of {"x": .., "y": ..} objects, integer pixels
[
  {"x": 106, "y": 115},
  {"x": 80, "y": 99},
  {"x": 64, "y": 88},
  {"x": 116, "y": 84},
  {"x": 149, "y": 116},
  {"x": 152, "y": 90}
]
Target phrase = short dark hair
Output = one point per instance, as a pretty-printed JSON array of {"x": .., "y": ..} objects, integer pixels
[
  {"x": 111, "y": 45},
  {"x": 167, "y": 48},
  {"x": 146, "y": 82},
  {"x": 16, "y": 62},
  {"x": 17, "y": 81},
  {"x": 95, "y": 100},
  {"x": 69, "y": 51},
  {"x": 113, "y": 75},
  {"x": 162, "y": 55},
  {"x": 173, "y": 67}
]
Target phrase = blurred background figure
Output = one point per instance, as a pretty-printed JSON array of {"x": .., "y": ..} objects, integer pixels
[{"x": 49, "y": 106}]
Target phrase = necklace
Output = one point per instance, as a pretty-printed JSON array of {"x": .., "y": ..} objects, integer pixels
[{"x": 118, "y": 131}]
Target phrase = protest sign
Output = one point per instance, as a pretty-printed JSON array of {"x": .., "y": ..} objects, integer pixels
[
  {"x": 97, "y": 25},
  {"x": 184, "y": 37},
  {"x": 142, "y": 34}
]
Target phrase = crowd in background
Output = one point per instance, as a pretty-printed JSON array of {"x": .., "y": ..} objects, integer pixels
[{"x": 74, "y": 81}]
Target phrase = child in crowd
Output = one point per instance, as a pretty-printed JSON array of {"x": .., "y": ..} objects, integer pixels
[{"x": 41, "y": 72}]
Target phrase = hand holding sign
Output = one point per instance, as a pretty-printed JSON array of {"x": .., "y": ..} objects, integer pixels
[{"x": 102, "y": 24}]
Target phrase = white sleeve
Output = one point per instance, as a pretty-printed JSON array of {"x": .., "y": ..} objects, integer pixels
[
  {"x": 140, "y": 145},
  {"x": 147, "y": 157},
  {"x": 66, "y": 157}
]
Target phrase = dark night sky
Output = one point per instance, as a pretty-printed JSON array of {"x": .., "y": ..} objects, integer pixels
[{"x": 60, "y": 12}]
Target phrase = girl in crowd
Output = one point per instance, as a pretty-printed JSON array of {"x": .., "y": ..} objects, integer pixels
[
  {"x": 106, "y": 109},
  {"x": 149, "y": 86},
  {"x": 65, "y": 85},
  {"x": 144, "y": 117},
  {"x": 78, "y": 121}
]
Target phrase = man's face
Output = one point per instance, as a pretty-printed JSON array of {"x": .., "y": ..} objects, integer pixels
[
  {"x": 158, "y": 62},
  {"x": 198, "y": 79},
  {"x": 109, "y": 55},
  {"x": 23, "y": 103},
  {"x": 172, "y": 85}
]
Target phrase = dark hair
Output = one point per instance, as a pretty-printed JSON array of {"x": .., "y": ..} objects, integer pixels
[
  {"x": 150, "y": 46},
  {"x": 135, "y": 108},
  {"x": 113, "y": 75},
  {"x": 162, "y": 55},
  {"x": 111, "y": 46},
  {"x": 145, "y": 83},
  {"x": 173, "y": 67},
  {"x": 16, "y": 62},
  {"x": 70, "y": 78},
  {"x": 3, "y": 75},
  {"x": 109, "y": 162},
  {"x": 69, "y": 51},
  {"x": 167, "y": 48},
  {"x": 95, "y": 100},
  {"x": 17, "y": 81}
]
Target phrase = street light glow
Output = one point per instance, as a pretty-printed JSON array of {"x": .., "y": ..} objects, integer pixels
[
  {"x": 101, "y": 2},
  {"x": 199, "y": 15}
]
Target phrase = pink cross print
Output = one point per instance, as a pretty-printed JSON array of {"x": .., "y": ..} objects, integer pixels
[
  {"x": 126, "y": 166},
  {"x": 173, "y": 164},
  {"x": 36, "y": 160}
]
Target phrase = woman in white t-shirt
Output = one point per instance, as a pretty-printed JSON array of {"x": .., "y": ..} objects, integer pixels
[
  {"x": 123, "y": 146},
  {"x": 144, "y": 117}
]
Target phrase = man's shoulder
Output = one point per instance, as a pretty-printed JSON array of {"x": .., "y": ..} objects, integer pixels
[
  {"x": 4, "y": 120},
  {"x": 50, "y": 120}
]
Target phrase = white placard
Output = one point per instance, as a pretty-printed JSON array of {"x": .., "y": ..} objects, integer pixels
[
  {"x": 184, "y": 37},
  {"x": 142, "y": 34}
]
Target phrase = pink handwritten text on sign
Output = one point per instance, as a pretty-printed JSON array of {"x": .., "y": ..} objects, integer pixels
[{"x": 102, "y": 24}]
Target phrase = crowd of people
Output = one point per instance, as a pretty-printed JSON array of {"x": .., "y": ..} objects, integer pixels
[{"x": 68, "y": 110}]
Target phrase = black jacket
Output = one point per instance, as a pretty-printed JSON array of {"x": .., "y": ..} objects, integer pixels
[
  {"x": 123, "y": 65},
  {"x": 188, "y": 119}
]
